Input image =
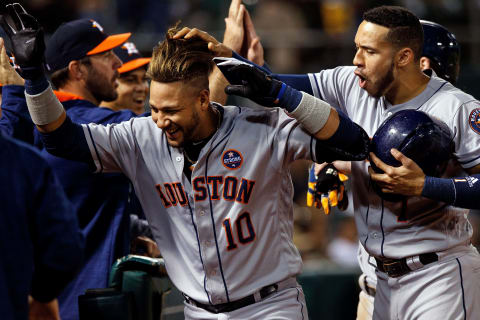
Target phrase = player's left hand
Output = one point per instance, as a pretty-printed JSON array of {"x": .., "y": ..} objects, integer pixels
[
  {"x": 217, "y": 48},
  {"x": 234, "y": 36},
  {"x": 407, "y": 180},
  {"x": 326, "y": 188},
  {"x": 8, "y": 75},
  {"x": 240, "y": 34},
  {"x": 250, "y": 82},
  {"x": 253, "y": 45}
]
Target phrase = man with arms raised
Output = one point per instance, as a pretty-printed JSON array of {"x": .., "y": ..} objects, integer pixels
[{"x": 204, "y": 175}]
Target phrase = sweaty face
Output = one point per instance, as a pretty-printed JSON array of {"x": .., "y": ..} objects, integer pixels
[
  {"x": 102, "y": 76},
  {"x": 176, "y": 110},
  {"x": 374, "y": 59},
  {"x": 132, "y": 90}
]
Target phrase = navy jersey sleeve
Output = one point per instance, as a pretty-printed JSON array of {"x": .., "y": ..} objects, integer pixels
[
  {"x": 68, "y": 141},
  {"x": 15, "y": 121},
  {"x": 300, "y": 82}
]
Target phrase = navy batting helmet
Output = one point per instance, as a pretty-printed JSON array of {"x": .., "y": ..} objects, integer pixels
[
  {"x": 443, "y": 50},
  {"x": 425, "y": 140}
]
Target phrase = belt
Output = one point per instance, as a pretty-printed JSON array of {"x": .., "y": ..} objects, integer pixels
[
  {"x": 398, "y": 267},
  {"x": 234, "y": 305}
]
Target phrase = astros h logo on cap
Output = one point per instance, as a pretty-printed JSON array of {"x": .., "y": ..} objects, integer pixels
[
  {"x": 131, "y": 57},
  {"x": 77, "y": 39}
]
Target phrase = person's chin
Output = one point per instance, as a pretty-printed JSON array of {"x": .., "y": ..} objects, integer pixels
[{"x": 373, "y": 93}]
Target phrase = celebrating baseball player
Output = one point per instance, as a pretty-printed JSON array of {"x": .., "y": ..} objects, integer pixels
[
  {"x": 202, "y": 171},
  {"x": 440, "y": 53},
  {"x": 423, "y": 241}
]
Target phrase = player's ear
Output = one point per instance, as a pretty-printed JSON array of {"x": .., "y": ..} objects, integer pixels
[
  {"x": 204, "y": 98},
  {"x": 75, "y": 70},
  {"x": 404, "y": 56},
  {"x": 424, "y": 63}
]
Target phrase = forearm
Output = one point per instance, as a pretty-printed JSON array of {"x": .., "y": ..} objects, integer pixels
[
  {"x": 297, "y": 81},
  {"x": 44, "y": 108},
  {"x": 68, "y": 141},
  {"x": 217, "y": 87},
  {"x": 460, "y": 192},
  {"x": 338, "y": 138}
]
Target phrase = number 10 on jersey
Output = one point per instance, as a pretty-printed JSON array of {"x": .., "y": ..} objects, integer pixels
[{"x": 245, "y": 233}]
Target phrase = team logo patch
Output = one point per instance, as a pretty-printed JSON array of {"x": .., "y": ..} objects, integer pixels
[
  {"x": 232, "y": 159},
  {"x": 130, "y": 47},
  {"x": 97, "y": 25},
  {"x": 474, "y": 120}
]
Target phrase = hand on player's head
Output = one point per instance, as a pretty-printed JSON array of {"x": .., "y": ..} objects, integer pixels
[{"x": 216, "y": 47}]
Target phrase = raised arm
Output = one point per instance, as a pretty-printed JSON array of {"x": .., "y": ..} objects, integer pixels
[{"x": 330, "y": 127}]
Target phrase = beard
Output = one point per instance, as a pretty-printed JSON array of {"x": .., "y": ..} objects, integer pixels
[
  {"x": 188, "y": 132},
  {"x": 383, "y": 83},
  {"x": 100, "y": 87}
]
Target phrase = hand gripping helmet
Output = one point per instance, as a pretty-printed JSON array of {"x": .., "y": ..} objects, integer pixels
[
  {"x": 443, "y": 49},
  {"x": 425, "y": 140}
]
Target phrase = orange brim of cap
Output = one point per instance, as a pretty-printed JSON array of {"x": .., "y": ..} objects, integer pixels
[
  {"x": 109, "y": 43},
  {"x": 133, "y": 64}
]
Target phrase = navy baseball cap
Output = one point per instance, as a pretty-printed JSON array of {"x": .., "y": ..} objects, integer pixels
[
  {"x": 130, "y": 56},
  {"x": 77, "y": 39}
]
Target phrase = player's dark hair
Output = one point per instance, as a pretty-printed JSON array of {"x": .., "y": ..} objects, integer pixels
[
  {"x": 60, "y": 77},
  {"x": 405, "y": 28},
  {"x": 180, "y": 59}
]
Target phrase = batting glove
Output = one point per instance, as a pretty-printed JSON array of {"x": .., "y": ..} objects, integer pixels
[
  {"x": 250, "y": 82},
  {"x": 326, "y": 189},
  {"x": 27, "y": 40}
]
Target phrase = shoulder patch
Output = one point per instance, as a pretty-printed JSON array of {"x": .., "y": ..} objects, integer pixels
[
  {"x": 474, "y": 120},
  {"x": 232, "y": 159}
]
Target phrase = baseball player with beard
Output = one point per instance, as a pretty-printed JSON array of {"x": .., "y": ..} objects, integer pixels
[
  {"x": 202, "y": 176},
  {"x": 441, "y": 53},
  {"x": 426, "y": 266}
]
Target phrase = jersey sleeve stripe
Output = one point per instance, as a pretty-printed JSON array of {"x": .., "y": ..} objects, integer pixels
[
  {"x": 473, "y": 162},
  {"x": 315, "y": 86},
  {"x": 93, "y": 149}
]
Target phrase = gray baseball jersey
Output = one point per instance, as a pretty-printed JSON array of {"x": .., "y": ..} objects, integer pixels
[
  {"x": 228, "y": 233},
  {"x": 427, "y": 226}
]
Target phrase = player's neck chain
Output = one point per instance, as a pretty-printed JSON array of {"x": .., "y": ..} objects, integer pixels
[
  {"x": 188, "y": 158},
  {"x": 196, "y": 146}
]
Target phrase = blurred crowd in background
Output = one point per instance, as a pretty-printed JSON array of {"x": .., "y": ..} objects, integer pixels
[{"x": 298, "y": 36}]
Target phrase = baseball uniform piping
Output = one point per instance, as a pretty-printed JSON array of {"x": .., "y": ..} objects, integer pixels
[
  {"x": 199, "y": 250},
  {"x": 463, "y": 291},
  {"x": 96, "y": 151},
  {"x": 211, "y": 210}
]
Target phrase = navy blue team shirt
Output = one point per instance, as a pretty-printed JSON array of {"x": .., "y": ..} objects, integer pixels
[
  {"x": 41, "y": 246},
  {"x": 101, "y": 201}
]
